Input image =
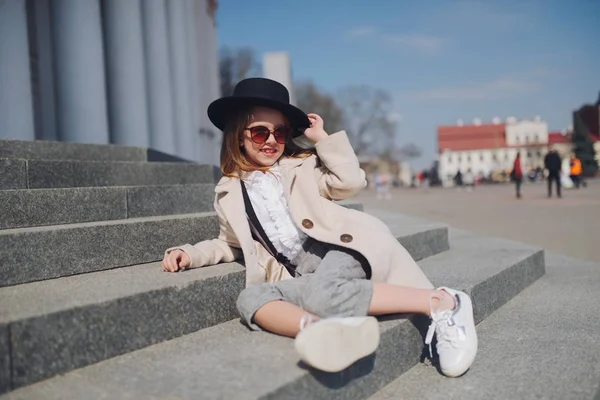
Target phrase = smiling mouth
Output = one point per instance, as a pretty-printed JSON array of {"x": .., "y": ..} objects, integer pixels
[{"x": 269, "y": 152}]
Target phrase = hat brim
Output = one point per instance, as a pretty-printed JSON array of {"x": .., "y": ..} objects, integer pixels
[{"x": 220, "y": 110}]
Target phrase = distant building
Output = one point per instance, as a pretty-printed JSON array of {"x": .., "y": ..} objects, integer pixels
[
  {"x": 277, "y": 66},
  {"x": 489, "y": 148},
  {"x": 138, "y": 73}
]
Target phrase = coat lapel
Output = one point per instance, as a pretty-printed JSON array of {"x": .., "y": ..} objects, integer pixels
[
  {"x": 229, "y": 193},
  {"x": 288, "y": 168}
]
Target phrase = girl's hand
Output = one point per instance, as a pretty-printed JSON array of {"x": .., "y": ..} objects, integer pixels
[
  {"x": 177, "y": 260},
  {"x": 315, "y": 132}
]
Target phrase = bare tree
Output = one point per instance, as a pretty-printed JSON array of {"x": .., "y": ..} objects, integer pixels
[
  {"x": 311, "y": 100},
  {"x": 235, "y": 65},
  {"x": 409, "y": 151},
  {"x": 367, "y": 117}
]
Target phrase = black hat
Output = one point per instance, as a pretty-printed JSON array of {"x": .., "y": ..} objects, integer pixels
[{"x": 258, "y": 92}]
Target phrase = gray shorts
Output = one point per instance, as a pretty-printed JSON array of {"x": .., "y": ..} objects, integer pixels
[{"x": 330, "y": 281}]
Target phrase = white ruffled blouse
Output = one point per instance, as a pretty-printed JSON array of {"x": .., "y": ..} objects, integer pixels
[{"x": 265, "y": 191}]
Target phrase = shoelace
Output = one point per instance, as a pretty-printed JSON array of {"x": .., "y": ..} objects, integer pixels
[
  {"x": 447, "y": 332},
  {"x": 440, "y": 326}
]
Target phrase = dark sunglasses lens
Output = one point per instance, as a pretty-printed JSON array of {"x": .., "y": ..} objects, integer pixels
[
  {"x": 259, "y": 134},
  {"x": 281, "y": 133}
]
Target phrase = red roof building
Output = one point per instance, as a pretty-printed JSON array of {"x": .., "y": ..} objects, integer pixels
[
  {"x": 558, "y": 138},
  {"x": 471, "y": 137},
  {"x": 491, "y": 148}
]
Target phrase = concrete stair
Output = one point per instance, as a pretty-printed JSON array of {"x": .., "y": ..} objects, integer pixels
[
  {"x": 49, "y": 150},
  {"x": 85, "y": 305},
  {"x": 36, "y": 253},
  {"x": 38, "y": 174},
  {"x": 41, "y": 207},
  {"x": 537, "y": 346},
  {"x": 228, "y": 361},
  {"x": 60, "y": 324}
]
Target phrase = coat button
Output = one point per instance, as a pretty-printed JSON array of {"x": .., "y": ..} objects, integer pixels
[
  {"x": 345, "y": 238},
  {"x": 307, "y": 223}
]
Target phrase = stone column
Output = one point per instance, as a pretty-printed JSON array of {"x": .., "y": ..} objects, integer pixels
[
  {"x": 16, "y": 107},
  {"x": 127, "y": 106},
  {"x": 42, "y": 70},
  {"x": 176, "y": 24},
  {"x": 158, "y": 76},
  {"x": 210, "y": 86},
  {"x": 214, "y": 77},
  {"x": 79, "y": 72},
  {"x": 194, "y": 75}
]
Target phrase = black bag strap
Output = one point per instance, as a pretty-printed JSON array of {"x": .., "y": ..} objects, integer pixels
[{"x": 259, "y": 233}]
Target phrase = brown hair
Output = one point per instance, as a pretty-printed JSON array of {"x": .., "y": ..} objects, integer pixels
[{"x": 233, "y": 157}]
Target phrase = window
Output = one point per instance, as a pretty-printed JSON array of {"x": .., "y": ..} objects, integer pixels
[
  {"x": 537, "y": 138},
  {"x": 505, "y": 156},
  {"x": 517, "y": 139},
  {"x": 527, "y": 139},
  {"x": 480, "y": 156},
  {"x": 539, "y": 154},
  {"x": 449, "y": 159},
  {"x": 468, "y": 158},
  {"x": 528, "y": 154},
  {"x": 459, "y": 159},
  {"x": 494, "y": 157}
]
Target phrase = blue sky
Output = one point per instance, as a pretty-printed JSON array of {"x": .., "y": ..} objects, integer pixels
[{"x": 440, "y": 60}]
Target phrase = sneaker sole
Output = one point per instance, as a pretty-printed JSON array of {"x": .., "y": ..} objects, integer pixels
[
  {"x": 334, "y": 347},
  {"x": 463, "y": 366}
]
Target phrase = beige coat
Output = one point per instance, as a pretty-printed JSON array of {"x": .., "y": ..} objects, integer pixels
[{"x": 310, "y": 185}]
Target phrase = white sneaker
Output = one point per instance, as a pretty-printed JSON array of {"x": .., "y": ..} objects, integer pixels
[
  {"x": 333, "y": 344},
  {"x": 456, "y": 335}
]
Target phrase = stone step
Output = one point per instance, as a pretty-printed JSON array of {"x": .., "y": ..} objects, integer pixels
[
  {"x": 38, "y": 174},
  {"x": 61, "y": 324},
  {"x": 543, "y": 344},
  {"x": 32, "y": 254},
  {"x": 46, "y": 252},
  {"x": 228, "y": 361},
  {"x": 50, "y": 150},
  {"x": 42, "y": 207},
  {"x": 13, "y": 174}
]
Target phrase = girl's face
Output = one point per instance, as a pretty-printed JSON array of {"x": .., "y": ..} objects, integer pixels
[{"x": 265, "y": 136}]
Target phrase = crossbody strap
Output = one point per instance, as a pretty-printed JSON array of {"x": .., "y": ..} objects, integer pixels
[{"x": 258, "y": 233}]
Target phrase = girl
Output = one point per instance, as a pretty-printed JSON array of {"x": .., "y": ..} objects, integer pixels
[{"x": 315, "y": 270}]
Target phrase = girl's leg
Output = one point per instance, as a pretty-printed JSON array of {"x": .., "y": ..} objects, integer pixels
[
  {"x": 281, "y": 318},
  {"x": 394, "y": 299}
]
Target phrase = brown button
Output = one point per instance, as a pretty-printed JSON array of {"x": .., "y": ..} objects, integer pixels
[
  {"x": 307, "y": 223},
  {"x": 345, "y": 238}
]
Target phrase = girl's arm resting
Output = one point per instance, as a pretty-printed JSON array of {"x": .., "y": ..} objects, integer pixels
[
  {"x": 339, "y": 175},
  {"x": 225, "y": 248}
]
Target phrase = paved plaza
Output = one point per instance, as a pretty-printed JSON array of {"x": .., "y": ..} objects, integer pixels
[{"x": 570, "y": 225}]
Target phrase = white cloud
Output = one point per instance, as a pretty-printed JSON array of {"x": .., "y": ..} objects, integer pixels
[
  {"x": 496, "y": 89},
  {"x": 421, "y": 43},
  {"x": 362, "y": 31}
]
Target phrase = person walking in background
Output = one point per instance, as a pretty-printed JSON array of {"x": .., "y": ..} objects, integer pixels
[
  {"x": 575, "y": 173},
  {"x": 469, "y": 180},
  {"x": 516, "y": 174},
  {"x": 383, "y": 183},
  {"x": 552, "y": 163},
  {"x": 458, "y": 180}
]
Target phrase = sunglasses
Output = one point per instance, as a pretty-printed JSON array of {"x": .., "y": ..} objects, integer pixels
[{"x": 259, "y": 134}]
